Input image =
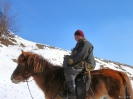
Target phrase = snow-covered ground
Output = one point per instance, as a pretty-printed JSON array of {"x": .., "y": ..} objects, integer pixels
[{"x": 9, "y": 90}]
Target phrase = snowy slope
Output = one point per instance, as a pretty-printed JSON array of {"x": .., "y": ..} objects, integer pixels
[{"x": 8, "y": 54}]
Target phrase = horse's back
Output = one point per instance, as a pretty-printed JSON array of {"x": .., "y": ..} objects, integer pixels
[
  {"x": 109, "y": 76},
  {"x": 112, "y": 81}
]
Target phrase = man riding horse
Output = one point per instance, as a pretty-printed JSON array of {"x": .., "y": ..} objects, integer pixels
[{"x": 80, "y": 59}]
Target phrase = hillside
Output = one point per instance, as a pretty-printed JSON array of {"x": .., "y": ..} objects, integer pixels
[{"x": 11, "y": 49}]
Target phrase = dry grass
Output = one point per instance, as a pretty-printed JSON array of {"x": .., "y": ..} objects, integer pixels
[
  {"x": 22, "y": 45},
  {"x": 13, "y": 40},
  {"x": 6, "y": 42},
  {"x": 40, "y": 46}
]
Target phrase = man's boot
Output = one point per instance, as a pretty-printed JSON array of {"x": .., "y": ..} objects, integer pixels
[{"x": 71, "y": 88}]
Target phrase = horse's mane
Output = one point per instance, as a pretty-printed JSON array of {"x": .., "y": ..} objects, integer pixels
[{"x": 37, "y": 61}]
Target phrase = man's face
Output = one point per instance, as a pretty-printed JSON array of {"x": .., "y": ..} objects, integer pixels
[{"x": 77, "y": 37}]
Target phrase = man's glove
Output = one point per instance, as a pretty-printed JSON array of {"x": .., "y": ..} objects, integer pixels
[{"x": 70, "y": 61}]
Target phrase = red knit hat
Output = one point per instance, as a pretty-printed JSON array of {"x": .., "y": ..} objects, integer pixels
[{"x": 80, "y": 33}]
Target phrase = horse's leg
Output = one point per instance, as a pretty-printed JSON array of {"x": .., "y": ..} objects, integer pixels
[
  {"x": 117, "y": 94},
  {"x": 101, "y": 91},
  {"x": 118, "y": 90}
]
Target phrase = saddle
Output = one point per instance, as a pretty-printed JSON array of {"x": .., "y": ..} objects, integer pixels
[{"x": 83, "y": 81}]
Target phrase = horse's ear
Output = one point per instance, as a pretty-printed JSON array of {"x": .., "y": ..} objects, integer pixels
[{"x": 23, "y": 52}]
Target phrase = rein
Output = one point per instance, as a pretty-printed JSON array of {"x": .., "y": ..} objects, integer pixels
[
  {"x": 29, "y": 87},
  {"x": 29, "y": 90},
  {"x": 28, "y": 83}
]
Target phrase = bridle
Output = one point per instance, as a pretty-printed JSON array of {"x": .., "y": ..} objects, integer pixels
[
  {"x": 28, "y": 85},
  {"x": 28, "y": 72}
]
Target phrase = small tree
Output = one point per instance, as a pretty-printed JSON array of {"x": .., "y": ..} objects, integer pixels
[{"x": 7, "y": 21}]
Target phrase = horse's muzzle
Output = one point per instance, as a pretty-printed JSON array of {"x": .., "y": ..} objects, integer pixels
[{"x": 14, "y": 80}]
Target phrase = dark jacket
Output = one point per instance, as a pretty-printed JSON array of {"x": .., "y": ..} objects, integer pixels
[{"x": 83, "y": 51}]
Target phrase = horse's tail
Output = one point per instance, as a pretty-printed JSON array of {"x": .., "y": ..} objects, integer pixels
[{"x": 128, "y": 86}]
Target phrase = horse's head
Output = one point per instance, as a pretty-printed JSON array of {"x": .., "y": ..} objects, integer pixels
[{"x": 23, "y": 70}]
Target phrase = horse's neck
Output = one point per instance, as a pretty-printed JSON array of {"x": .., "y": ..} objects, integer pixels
[
  {"x": 46, "y": 78},
  {"x": 39, "y": 80},
  {"x": 40, "y": 77}
]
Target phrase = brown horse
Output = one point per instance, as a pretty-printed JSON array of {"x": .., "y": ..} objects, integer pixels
[{"x": 106, "y": 83}]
